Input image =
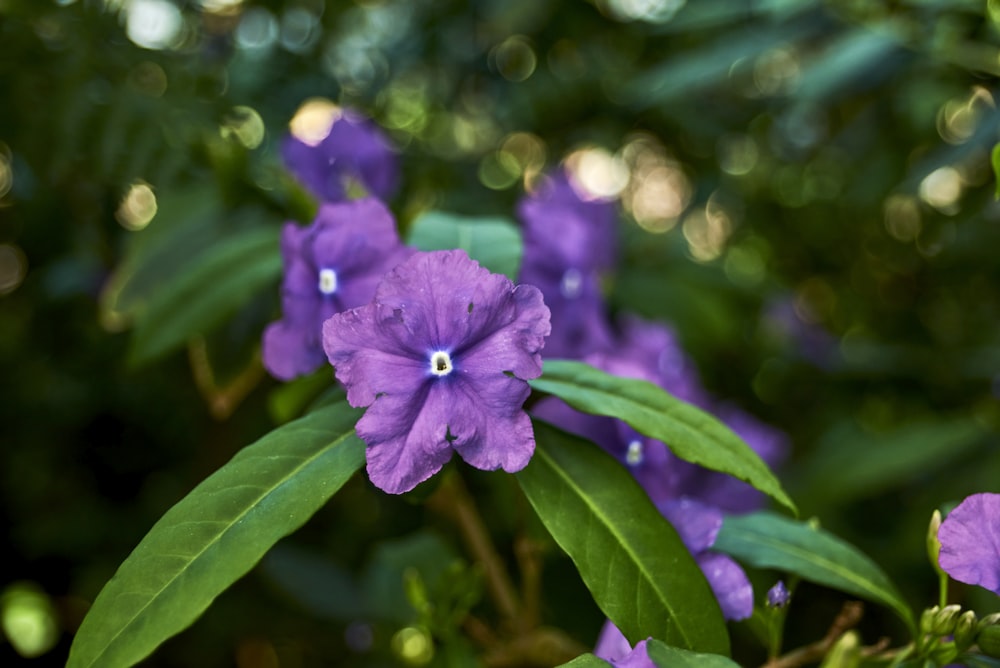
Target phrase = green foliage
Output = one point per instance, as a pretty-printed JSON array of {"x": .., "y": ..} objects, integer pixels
[
  {"x": 665, "y": 656},
  {"x": 216, "y": 534},
  {"x": 631, "y": 559},
  {"x": 767, "y": 540},
  {"x": 586, "y": 661},
  {"x": 493, "y": 242},
  {"x": 690, "y": 433}
]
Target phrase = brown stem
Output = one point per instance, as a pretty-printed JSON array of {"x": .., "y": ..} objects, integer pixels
[
  {"x": 452, "y": 500},
  {"x": 529, "y": 564},
  {"x": 847, "y": 619},
  {"x": 222, "y": 401}
]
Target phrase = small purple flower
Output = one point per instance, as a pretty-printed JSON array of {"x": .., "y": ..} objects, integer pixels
[
  {"x": 970, "y": 542},
  {"x": 332, "y": 265},
  {"x": 778, "y": 596},
  {"x": 441, "y": 357},
  {"x": 354, "y": 153},
  {"x": 568, "y": 242},
  {"x": 614, "y": 647}
]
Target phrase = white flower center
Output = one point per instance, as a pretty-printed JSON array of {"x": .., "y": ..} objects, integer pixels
[
  {"x": 633, "y": 456},
  {"x": 571, "y": 283},
  {"x": 327, "y": 281},
  {"x": 441, "y": 363}
]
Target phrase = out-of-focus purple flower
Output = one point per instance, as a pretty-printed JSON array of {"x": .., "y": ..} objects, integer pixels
[
  {"x": 778, "y": 596},
  {"x": 614, "y": 647},
  {"x": 568, "y": 242},
  {"x": 354, "y": 153},
  {"x": 331, "y": 265},
  {"x": 970, "y": 542},
  {"x": 782, "y": 320},
  {"x": 441, "y": 357}
]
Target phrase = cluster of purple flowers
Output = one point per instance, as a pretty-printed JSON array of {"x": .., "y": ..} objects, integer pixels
[
  {"x": 569, "y": 244},
  {"x": 440, "y": 350}
]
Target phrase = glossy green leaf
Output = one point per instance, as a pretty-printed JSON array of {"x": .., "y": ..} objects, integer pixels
[
  {"x": 692, "y": 434},
  {"x": 207, "y": 291},
  {"x": 665, "y": 656},
  {"x": 767, "y": 540},
  {"x": 494, "y": 242},
  {"x": 995, "y": 160},
  {"x": 585, "y": 661},
  {"x": 216, "y": 534},
  {"x": 628, "y": 555}
]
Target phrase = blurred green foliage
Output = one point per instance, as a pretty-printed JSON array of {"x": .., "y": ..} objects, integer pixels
[{"x": 809, "y": 200}]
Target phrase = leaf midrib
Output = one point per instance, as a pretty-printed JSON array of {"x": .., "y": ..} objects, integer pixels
[
  {"x": 305, "y": 462},
  {"x": 610, "y": 527}
]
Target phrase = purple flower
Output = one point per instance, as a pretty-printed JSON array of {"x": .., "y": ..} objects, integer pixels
[
  {"x": 778, "y": 596},
  {"x": 970, "y": 542},
  {"x": 353, "y": 153},
  {"x": 332, "y": 265},
  {"x": 568, "y": 242},
  {"x": 612, "y": 646},
  {"x": 441, "y": 358}
]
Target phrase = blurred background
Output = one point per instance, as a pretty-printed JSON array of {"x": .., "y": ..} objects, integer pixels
[{"x": 806, "y": 194}]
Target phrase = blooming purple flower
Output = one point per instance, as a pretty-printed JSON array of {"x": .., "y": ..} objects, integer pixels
[
  {"x": 568, "y": 242},
  {"x": 354, "y": 152},
  {"x": 970, "y": 542},
  {"x": 331, "y": 265},
  {"x": 441, "y": 357},
  {"x": 778, "y": 596},
  {"x": 614, "y": 647}
]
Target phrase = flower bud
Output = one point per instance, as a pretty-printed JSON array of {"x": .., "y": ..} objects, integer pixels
[
  {"x": 988, "y": 620},
  {"x": 927, "y": 619},
  {"x": 778, "y": 596},
  {"x": 945, "y": 620},
  {"x": 845, "y": 653},
  {"x": 944, "y": 653},
  {"x": 933, "y": 543},
  {"x": 965, "y": 630},
  {"x": 989, "y": 641}
]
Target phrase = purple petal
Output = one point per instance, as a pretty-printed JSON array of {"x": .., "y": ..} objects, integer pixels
[
  {"x": 970, "y": 542},
  {"x": 729, "y": 583},
  {"x": 696, "y": 523},
  {"x": 287, "y": 353},
  {"x": 612, "y": 646}
]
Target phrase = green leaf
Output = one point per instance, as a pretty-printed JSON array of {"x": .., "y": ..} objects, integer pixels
[
  {"x": 210, "y": 289},
  {"x": 690, "y": 433},
  {"x": 493, "y": 242},
  {"x": 585, "y": 661},
  {"x": 767, "y": 540},
  {"x": 891, "y": 459},
  {"x": 628, "y": 555},
  {"x": 216, "y": 534},
  {"x": 665, "y": 656}
]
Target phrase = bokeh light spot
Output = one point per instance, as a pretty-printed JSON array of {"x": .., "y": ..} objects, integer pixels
[
  {"x": 514, "y": 58},
  {"x": 706, "y": 234},
  {"x": 137, "y": 208},
  {"x": 149, "y": 78},
  {"x": 244, "y": 125},
  {"x": 942, "y": 189},
  {"x": 413, "y": 646},
  {"x": 737, "y": 154},
  {"x": 13, "y": 268},
  {"x": 154, "y": 24},
  {"x": 28, "y": 619},
  {"x": 258, "y": 29},
  {"x": 658, "y": 192},
  {"x": 6, "y": 172},
  {"x": 902, "y": 217},
  {"x": 599, "y": 173},
  {"x": 312, "y": 122}
]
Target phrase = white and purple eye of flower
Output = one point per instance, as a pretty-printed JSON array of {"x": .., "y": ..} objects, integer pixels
[
  {"x": 970, "y": 542},
  {"x": 331, "y": 265},
  {"x": 440, "y": 357},
  {"x": 354, "y": 152}
]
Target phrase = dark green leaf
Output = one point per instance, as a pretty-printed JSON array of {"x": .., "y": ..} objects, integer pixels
[
  {"x": 629, "y": 556},
  {"x": 767, "y": 540},
  {"x": 691, "y": 434},
  {"x": 207, "y": 291},
  {"x": 493, "y": 242},
  {"x": 665, "y": 656},
  {"x": 216, "y": 534}
]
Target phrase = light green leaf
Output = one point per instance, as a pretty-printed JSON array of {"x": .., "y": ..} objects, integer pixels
[
  {"x": 665, "y": 656},
  {"x": 628, "y": 555},
  {"x": 585, "y": 661},
  {"x": 995, "y": 161},
  {"x": 494, "y": 242},
  {"x": 216, "y": 534},
  {"x": 208, "y": 291},
  {"x": 690, "y": 433},
  {"x": 767, "y": 540}
]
